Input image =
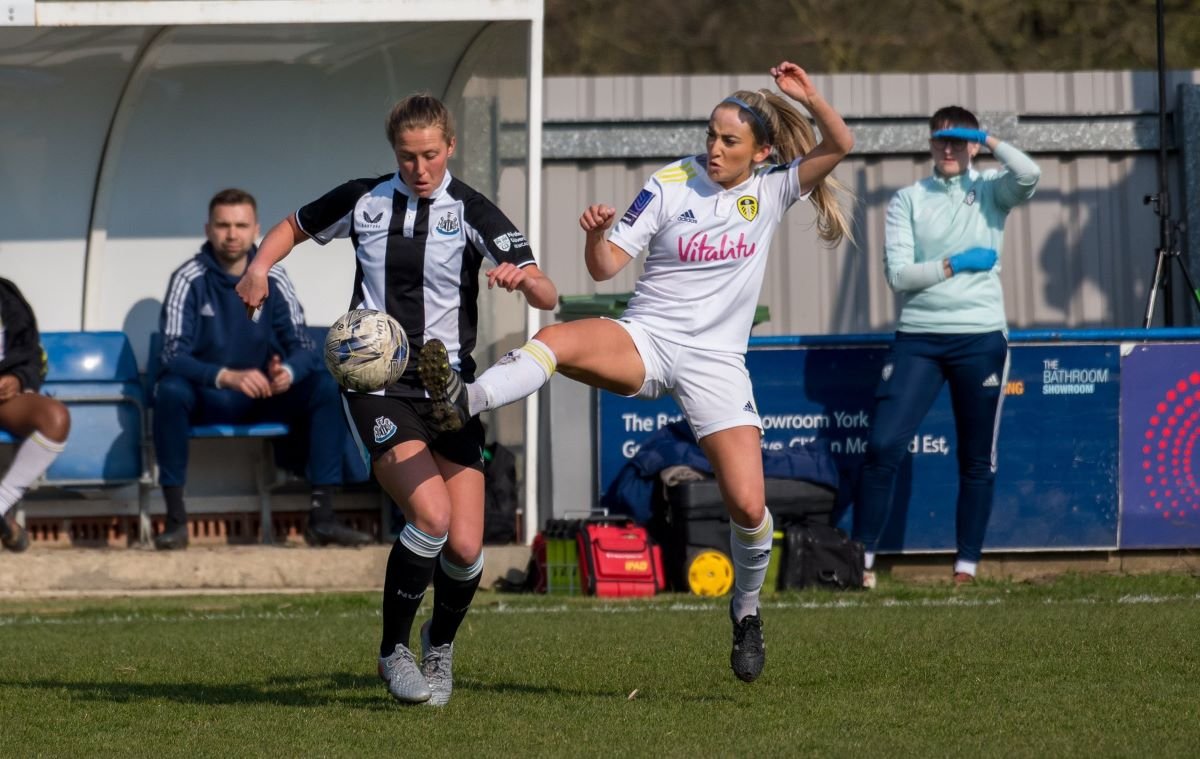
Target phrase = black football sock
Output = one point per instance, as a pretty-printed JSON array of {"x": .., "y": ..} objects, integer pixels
[
  {"x": 453, "y": 592},
  {"x": 409, "y": 570}
]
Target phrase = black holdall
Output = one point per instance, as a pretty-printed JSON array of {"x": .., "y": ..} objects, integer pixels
[{"x": 819, "y": 555}]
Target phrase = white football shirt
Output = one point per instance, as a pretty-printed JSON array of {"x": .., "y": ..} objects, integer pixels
[{"x": 707, "y": 250}]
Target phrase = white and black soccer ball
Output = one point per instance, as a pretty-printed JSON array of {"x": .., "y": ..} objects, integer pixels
[{"x": 366, "y": 350}]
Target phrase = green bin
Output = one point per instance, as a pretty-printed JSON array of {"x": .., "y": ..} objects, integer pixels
[{"x": 562, "y": 559}]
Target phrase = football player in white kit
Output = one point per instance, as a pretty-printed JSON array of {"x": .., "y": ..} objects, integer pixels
[{"x": 707, "y": 222}]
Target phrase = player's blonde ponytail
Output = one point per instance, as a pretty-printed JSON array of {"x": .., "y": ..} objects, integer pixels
[{"x": 791, "y": 135}]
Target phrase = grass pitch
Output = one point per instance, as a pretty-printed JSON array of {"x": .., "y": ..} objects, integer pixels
[{"x": 1101, "y": 666}]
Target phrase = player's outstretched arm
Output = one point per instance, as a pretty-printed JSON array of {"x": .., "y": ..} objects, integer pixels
[
  {"x": 529, "y": 280},
  {"x": 603, "y": 259},
  {"x": 836, "y": 139},
  {"x": 252, "y": 287}
]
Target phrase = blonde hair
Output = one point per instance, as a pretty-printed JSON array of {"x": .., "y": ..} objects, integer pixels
[
  {"x": 418, "y": 111},
  {"x": 790, "y": 136}
]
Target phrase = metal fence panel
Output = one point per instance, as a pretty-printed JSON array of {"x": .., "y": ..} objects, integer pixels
[{"x": 1080, "y": 254}]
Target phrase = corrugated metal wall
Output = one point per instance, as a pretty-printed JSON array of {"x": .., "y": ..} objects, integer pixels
[{"x": 1081, "y": 254}]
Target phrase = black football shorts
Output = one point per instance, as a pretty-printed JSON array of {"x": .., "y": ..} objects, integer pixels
[{"x": 381, "y": 423}]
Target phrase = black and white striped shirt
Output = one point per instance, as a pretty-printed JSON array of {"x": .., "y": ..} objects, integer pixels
[{"x": 418, "y": 258}]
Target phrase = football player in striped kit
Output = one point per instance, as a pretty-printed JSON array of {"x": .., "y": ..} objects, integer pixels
[
  {"x": 420, "y": 237},
  {"x": 707, "y": 222}
]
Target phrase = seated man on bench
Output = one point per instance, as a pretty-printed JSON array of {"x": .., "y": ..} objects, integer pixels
[
  {"x": 42, "y": 421},
  {"x": 218, "y": 369}
]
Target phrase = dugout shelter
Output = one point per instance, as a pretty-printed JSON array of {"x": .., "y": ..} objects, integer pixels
[{"x": 123, "y": 118}]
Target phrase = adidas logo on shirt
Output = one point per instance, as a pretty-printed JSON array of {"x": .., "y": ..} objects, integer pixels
[
  {"x": 749, "y": 407},
  {"x": 687, "y": 216},
  {"x": 207, "y": 310},
  {"x": 992, "y": 381}
]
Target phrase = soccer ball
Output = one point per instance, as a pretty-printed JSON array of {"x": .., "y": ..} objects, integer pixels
[{"x": 366, "y": 350}]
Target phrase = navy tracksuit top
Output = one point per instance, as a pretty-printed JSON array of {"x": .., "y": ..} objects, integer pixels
[{"x": 205, "y": 327}]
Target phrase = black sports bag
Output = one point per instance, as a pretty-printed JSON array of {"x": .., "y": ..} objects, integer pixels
[{"x": 818, "y": 555}]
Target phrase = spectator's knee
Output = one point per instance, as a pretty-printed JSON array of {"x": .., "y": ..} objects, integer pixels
[
  {"x": 173, "y": 390},
  {"x": 55, "y": 422}
]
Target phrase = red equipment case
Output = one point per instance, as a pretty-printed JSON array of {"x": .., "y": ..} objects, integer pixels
[{"x": 618, "y": 559}]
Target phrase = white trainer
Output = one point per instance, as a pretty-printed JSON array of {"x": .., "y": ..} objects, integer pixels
[
  {"x": 404, "y": 679},
  {"x": 437, "y": 665}
]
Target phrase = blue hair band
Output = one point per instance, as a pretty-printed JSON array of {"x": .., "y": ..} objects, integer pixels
[{"x": 752, "y": 111}]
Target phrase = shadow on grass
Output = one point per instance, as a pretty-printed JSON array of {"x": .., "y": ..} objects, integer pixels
[
  {"x": 366, "y": 691},
  {"x": 509, "y": 688},
  {"x": 345, "y": 689}
]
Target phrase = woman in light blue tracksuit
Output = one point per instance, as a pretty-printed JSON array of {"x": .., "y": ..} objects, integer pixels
[{"x": 942, "y": 249}]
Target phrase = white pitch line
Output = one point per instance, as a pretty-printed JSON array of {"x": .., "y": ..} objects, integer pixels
[{"x": 505, "y": 608}]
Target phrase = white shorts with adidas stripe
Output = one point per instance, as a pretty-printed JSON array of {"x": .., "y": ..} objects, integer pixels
[{"x": 711, "y": 387}]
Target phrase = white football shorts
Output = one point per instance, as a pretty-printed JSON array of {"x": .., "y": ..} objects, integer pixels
[{"x": 712, "y": 387}]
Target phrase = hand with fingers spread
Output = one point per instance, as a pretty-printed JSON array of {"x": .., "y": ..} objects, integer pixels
[{"x": 506, "y": 275}]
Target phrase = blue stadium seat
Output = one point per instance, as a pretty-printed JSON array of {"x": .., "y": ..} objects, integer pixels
[
  {"x": 96, "y": 375},
  {"x": 263, "y": 429}
]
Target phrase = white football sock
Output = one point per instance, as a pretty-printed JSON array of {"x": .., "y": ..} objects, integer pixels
[
  {"x": 34, "y": 456},
  {"x": 751, "y": 551},
  {"x": 869, "y": 560},
  {"x": 966, "y": 567},
  {"x": 518, "y": 373}
]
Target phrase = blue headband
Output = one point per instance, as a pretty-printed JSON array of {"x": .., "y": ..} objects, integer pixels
[{"x": 753, "y": 112}]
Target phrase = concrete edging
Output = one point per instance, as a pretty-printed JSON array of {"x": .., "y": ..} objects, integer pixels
[
  {"x": 237, "y": 569},
  {"x": 213, "y": 569}
]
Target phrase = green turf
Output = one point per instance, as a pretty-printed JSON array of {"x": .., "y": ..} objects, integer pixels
[{"x": 1098, "y": 666}]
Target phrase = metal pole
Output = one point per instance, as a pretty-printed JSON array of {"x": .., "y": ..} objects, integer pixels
[
  {"x": 1163, "y": 206},
  {"x": 533, "y": 231}
]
